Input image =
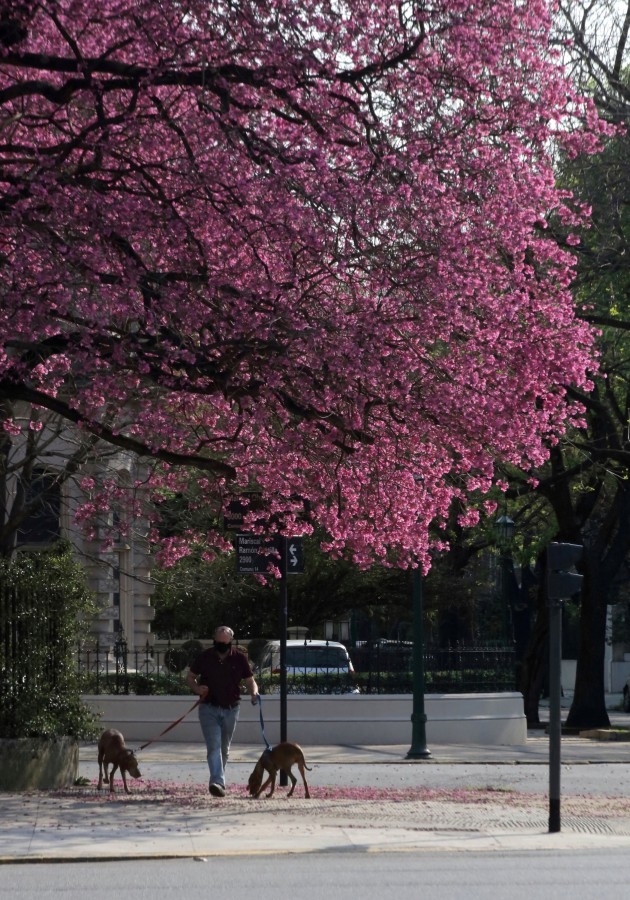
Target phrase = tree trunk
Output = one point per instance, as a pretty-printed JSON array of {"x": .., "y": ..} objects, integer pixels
[
  {"x": 535, "y": 662},
  {"x": 588, "y": 709}
]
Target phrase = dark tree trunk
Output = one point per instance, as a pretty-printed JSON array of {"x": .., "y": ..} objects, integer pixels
[
  {"x": 535, "y": 662},
  {"x": 588, "y": 709}
]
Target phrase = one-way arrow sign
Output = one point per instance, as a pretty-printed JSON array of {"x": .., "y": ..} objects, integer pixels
[{"x": 295, "y": 556}]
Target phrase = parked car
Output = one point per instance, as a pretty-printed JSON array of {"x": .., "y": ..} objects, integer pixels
[
  {"x": 306, "y": 657},
  {"x": 382, "y": 655}
]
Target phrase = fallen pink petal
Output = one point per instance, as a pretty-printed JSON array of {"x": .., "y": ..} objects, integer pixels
[{"x": 196, "y": 796}]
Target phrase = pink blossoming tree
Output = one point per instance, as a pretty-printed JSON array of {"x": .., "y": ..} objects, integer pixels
[{"x": 298, "y": 248}]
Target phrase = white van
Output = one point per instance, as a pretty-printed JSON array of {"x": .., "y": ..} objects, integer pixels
[{"x": 307, "y": 657}]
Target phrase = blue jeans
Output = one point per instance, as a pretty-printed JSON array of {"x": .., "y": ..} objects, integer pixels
[{"x": 218, "y": 726}]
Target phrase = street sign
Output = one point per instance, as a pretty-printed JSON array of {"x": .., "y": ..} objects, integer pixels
[
  {"x": 295, "y": 556},
  {"x": 238, "y": 507},
  {"x": 255, "y": 553}
]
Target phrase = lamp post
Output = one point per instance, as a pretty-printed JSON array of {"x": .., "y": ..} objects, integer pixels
[
  {"x": 418, "y": 749},
  {"x": 505, "y": 529},
  {"x": 120, "y": 655}
]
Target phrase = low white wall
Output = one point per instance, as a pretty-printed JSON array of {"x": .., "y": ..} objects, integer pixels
[
  {"x": 567, "y": 674},
  {"x": 616, "y": 672},
  {"x": 619, "y": 673},
  {"x": 349, "y": 719}
]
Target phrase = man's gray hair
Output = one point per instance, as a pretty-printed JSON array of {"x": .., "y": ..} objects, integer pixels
[{"x": 224, "y": 629}]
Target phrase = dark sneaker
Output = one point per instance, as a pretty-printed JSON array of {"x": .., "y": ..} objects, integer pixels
[{"x": 217, "y": 790}]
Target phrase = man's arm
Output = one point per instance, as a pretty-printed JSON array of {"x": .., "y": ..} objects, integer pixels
[
  {"x": 191, "y": 680},
  {"x": 252, "y": 688}
]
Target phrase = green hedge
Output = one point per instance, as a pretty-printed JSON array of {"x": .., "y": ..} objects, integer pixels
[
  {"x": 133, "y": 683},
  {"x": 43, "y": 601}
]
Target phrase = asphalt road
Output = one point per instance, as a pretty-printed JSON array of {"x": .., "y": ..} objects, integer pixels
[{"x": 563, "y": 875}]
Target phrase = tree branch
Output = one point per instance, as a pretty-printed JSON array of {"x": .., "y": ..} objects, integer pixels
[{"x": 10, "y": 391}]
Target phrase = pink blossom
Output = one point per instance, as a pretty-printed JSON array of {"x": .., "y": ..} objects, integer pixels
[{"x": 287, "y": 248}]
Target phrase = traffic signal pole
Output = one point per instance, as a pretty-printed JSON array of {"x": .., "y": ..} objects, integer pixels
[
  {"x": 562, "y": 582},
  {"x": 555, "y": 713}
]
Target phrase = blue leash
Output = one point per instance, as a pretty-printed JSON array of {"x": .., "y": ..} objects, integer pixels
[{"x": 262, "y": 723}]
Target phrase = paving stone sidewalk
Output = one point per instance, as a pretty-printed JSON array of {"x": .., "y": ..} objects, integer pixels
[{"x": 367, "y": 798}]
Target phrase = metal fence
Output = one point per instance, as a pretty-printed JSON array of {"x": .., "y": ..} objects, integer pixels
[
  {"x": 379, "y": 668},
  {"x": 387, "y": 668},
  {"x": 106, "y": 668}
]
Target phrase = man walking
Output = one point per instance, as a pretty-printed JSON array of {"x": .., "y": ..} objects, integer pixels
[{"x": 215, "y": 676}]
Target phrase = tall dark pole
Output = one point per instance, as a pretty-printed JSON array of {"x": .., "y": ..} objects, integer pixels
[
  {"x": 555, "y": 720},
  {"x": 284, "y": 778},
  {"x": 562, "y": 581},
  {"x": 418, "y": 749}
]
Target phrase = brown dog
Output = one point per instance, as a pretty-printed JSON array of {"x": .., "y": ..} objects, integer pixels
[
  {"x": 278, "y": 759},
  {"x": 112, "y": 750}
]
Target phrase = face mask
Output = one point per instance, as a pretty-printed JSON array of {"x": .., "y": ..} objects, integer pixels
[{"x": 222, "y": 648}]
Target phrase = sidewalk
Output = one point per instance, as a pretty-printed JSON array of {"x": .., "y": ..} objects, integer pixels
[{"x": 367, "y": 798}]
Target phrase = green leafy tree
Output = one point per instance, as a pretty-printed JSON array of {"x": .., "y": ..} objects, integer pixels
[
  {"x": 192, "y": 597},
  {"x": 586, "y": 484},
  {"x": 195, "y": 596}
]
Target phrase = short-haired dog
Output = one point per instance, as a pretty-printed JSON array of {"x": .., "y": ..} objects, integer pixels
[
  {"x": 278, "y": 759},
  {"x": 112, "y": 751}
]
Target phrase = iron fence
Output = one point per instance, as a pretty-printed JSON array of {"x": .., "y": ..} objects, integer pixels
[
  {"x": 387, "y": 668},
  {"x": 111, "y": 668},
  {"x": 379, "y": 668}
]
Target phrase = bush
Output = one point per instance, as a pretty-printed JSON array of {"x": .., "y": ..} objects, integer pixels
[
  {"x": 255, "y": 650},
  {"x": 44, "y": 605},
  {"x": 176, "y": 659},
  {"x": 133, "y": 683}
]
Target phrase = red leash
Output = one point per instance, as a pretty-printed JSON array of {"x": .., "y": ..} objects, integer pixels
[{"x": 172, "y": 725}]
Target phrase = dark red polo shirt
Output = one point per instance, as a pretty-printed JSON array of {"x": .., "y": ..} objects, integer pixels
[{"x": 223, "y": 673}]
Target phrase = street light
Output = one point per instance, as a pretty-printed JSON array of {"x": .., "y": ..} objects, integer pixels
[
  {"x": 418, "y": 749},
  {"x": 505, "y": 529}
]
